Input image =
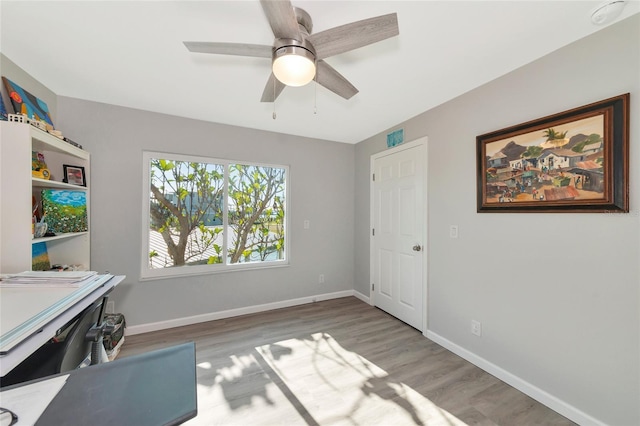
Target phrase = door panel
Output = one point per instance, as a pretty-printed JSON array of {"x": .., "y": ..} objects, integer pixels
[
  {"x": 386, "y": 213},
  {"x": 386, "y": 270},
  {"x": 406, "y": 279},
  {"x": 406, "y": 212}
]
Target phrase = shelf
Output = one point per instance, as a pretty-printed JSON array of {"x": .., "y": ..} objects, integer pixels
[
  {"x": 43, "y": 141},
  {"x": 60, "y": 236},
  {"x": 18, "y": 188},
  {"x": 45, "y": 183}
]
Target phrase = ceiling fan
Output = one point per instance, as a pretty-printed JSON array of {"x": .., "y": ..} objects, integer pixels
[{"x": 298, "y": 55}]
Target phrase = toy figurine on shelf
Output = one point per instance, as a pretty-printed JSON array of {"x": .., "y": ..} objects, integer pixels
[{"x": 38, "y": 166}]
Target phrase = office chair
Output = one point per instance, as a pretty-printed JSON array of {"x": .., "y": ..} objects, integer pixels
[{"x": 59, "y": 356}]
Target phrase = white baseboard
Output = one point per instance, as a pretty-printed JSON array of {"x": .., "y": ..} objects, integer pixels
[
  {"x": 179, "y": 322},
  {"x": 362, "y": 297},
  {"x": 556, "y": 404}
]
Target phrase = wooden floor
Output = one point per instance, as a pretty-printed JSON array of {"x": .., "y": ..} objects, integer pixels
[{"x": 338, "y": 362}]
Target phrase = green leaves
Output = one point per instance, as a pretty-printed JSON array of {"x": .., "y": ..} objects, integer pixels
[
  {"x": 186, "y": 196},
  {"x": 252, "y": 190},
  {"x": 164, "y": 165},
  {"x": 532, "y": 151},
  {"x": 187, "y": 209}
]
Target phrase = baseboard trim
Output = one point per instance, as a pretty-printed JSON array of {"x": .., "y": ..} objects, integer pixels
[
  {"x": 362, "y": 297},
  {"x": 556, "y": 404},
  {"x": 179, "y": 322}
]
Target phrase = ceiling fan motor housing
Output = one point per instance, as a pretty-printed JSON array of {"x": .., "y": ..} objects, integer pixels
[
  {"x": 294, "y": 62},
  {"x": 299, "y": 46}
]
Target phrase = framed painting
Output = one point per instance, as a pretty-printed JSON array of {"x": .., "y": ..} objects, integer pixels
[{"x": 573, "y": 161}]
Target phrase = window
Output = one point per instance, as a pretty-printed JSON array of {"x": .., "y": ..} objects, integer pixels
[{"x": 206, "y": 215}]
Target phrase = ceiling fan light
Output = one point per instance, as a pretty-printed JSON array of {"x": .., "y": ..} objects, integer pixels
[{"x": 293, "y": 65}]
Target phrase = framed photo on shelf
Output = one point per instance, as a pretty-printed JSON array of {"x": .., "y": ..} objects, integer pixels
[
  {"x": 74, "y": 175},
  {"x": 573, "y": 161}
]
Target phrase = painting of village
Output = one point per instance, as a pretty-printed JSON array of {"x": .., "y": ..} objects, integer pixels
[{"x": 563, "y": 162}]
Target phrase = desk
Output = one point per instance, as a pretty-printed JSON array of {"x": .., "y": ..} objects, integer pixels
[
  {"x": 154, "y": 388},
  {"x": 29, "y": 317}
]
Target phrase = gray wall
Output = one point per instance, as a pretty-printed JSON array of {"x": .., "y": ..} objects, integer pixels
[
  {"x": 321, "y": 185},
  {"x": 557, "y": 294}
]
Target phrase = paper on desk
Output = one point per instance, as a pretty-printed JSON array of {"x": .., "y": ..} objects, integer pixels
[
  {"x": 29, "y": 402},
  {"x": 49, "y": 278}
]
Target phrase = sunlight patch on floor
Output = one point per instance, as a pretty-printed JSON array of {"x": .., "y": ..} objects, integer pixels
[
  {"x": 233, "y": 394},
  {"x": 337, "y": 386}
]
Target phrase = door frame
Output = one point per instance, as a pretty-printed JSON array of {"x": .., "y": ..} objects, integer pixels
[{"x": 425, "y": 242}]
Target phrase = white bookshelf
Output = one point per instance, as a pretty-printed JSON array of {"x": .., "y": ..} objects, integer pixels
[{"x": 17, "y": 187}]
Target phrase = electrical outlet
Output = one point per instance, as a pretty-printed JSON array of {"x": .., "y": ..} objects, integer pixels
[
  {"x": 305, "y": 224},
  {"x": 321, "y": 278},
  {"x": 476, "y": 328},
  {"x": 111, "y": 307}
]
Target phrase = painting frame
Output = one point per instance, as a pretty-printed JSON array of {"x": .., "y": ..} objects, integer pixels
[
  {"x": 518, "y": 171},
  {"x": 74, "y": 175}
]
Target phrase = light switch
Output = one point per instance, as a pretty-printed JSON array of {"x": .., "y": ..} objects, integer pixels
[
  {"x": 306, "y": 224},
  {"x": 453, "y": 231}
]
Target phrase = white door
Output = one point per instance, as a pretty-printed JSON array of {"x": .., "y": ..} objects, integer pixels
[{"x": 398, "y": 236}]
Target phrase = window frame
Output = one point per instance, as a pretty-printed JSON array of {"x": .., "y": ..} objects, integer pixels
[{"x": 147, "y": 273}]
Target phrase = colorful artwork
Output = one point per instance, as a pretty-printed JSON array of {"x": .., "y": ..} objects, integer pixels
[
  {"x": 395, "y": 138},
  {"x": 65, "y": 211},
  {"x": 25, "y": 103},
  {"x": 571, "y": 161},
  {"x": 565, "y": 162},
  {"x": 4, "y": 115},
  {"x": 37, "y": 161},
  {"x": 40, "y": 257}
]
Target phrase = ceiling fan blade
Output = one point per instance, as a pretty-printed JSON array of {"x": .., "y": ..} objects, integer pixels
[
  {"x": 282, "y": 18},
  {"x": 271, "y": 93},
  {"x": 354, "y": 35},
  {"x": 328, "y": 77},
  {"x": 240, "y": 49}
]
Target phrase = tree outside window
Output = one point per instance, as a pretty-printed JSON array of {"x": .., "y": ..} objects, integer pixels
[{"x": 191, "y": 225}]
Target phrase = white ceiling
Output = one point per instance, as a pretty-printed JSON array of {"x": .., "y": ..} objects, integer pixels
[{"x": 131, "y": 54}]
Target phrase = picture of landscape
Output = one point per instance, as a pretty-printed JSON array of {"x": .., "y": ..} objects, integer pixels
[
  {"x": 556, "y": 163},
  {"x": 65, "y": 211},
  {"x": 40, "y": 257}
]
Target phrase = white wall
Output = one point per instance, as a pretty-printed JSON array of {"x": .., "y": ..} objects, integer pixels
[
  {"x": 557, "y": 294},
  {"x": 321, "y": 182}
]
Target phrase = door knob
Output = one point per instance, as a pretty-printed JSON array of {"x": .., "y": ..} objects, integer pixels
[{"x": 417, "y": 247}]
